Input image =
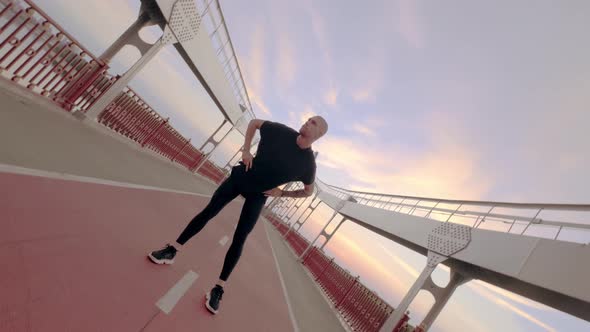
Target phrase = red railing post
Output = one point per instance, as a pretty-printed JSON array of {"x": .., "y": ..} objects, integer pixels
[
  {"x": 347, "y": 291},
  {"x": 197, "y": 161},
  {"x": 402, "y": 322},
  {"x": 419, "y": 328},
  {"x": 77, "y": 86},
  {"x": 325, "y": 268},
  {"x": 149, "y": 138},
  {"x": 185, "y": 145}
]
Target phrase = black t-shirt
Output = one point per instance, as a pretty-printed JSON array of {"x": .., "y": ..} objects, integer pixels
[{"x": 278, "y": 160}]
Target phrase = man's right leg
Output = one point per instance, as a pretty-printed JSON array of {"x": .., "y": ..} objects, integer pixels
[{"x": 226, "y": 192}]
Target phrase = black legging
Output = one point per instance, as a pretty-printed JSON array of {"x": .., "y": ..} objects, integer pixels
[{"x": 226, "y": 192}]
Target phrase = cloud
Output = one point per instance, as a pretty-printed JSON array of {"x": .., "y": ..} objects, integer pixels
[
  {"x": 410, "y": 25},
  {"x": 79, "y": 23},
  {"x": 364, "y": 130},
  {"x": 253, "y": 69},
  {"x": 306, "y": 114},
  {"x": 516, "y": 298},
  {"x": 369, "y": 75},
  {"x": 510, "y": 307},
  {"x": 254, "y": 62},
  {"x": 286, "y": 67},
  {"x": 319, "y": 31},
  {"x": 444, "y": 171},
  {"x": 351, "y": 250},
  {"x": 255, "y": 99},
  {"x": 364, "y": 95},
  {"x": 405, "y": 266},
  {"x": 331, "y": 96}
]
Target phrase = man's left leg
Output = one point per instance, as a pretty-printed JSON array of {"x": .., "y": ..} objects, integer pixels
[
  {"x": 224, "y": 194},
  {"x": 250, "y": 213}
]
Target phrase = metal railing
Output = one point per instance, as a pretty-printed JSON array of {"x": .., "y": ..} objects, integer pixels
[
  {"x": 130, "y": 116},
  {"x": 37, "y": 54},
  {"x": 516, "y": 218},
  {"x": 213, "y": 19},
  {"x": 358, "y": 306}
]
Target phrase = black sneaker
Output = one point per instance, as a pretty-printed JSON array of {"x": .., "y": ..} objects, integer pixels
[
  {"x": 213, "y": 298},
  {"x": 163, "y": 256}
]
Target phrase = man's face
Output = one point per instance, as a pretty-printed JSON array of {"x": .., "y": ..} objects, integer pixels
[{"x": 312, "y": 128}]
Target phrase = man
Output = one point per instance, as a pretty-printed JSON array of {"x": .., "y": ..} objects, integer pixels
[{"x": 283, "y": 155}]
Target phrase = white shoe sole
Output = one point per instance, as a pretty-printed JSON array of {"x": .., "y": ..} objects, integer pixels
[
  {"x": 207, "y": 298},
  {"x": 160, "y": 261}
]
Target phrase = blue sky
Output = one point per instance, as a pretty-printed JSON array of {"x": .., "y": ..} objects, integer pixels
[{"x": 454, "y": 99}]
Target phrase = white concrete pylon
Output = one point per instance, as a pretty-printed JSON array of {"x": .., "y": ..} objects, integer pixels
[
  {"x": 215, "y": 144},
  {"x": 433, "y": 260},
  {"x": 441, "y": 295},
  {"x": 444, "y": 241},
  {"x": 182, "y": 23},
  {"x": 323, "y": 231},
  {"x": 300, "y": 222}
]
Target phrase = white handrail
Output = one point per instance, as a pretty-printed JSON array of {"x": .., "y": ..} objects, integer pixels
[{"x": 414, "y": 205}]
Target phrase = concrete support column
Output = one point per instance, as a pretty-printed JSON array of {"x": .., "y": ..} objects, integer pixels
[
  {"x": 324, "y": 233},
  {"x": 288, "y": 204},
  {"x": 129, "y": 37},
  {"x": 288, "y": 207},
  {"x": 441, "y": 296},
  {"x": 215, "y": 143},
  {"x": 444, "y": 241},
  {"x": 149, "y": 14},
  {"x": 433, "y": 260},
  {"x": 328, "y": 237},
  {"x": 299, "y": 223},
  {"x": 295, "y": 207},
  {"x": 101, "y": 103}
]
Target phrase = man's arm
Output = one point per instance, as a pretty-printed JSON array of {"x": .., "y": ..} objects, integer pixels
[
  {"x": 252, "y": 126},
  {"x": 246, "y": 155},
  {"x": 305, "y": 192}
]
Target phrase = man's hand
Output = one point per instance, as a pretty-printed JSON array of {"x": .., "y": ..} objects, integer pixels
[
  {"x": 247, "y": 159},
  {"x": 297, "y": 193},
  {"x": 274, "y": 192}
]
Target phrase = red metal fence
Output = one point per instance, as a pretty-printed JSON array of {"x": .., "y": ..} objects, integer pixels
[
  {"x": 36, "y": 53},
  {"x": 359, "y": 307},
  {"x": 297, "y": 242}
]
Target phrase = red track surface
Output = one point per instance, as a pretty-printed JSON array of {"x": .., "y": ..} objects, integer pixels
[{"x": 73, "y": 258}]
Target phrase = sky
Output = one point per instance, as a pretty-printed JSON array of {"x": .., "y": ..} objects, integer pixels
[{"x": 457, "y": 99}]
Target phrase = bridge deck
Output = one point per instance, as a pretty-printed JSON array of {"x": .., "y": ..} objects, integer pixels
[{"x": 73, "y": 252}]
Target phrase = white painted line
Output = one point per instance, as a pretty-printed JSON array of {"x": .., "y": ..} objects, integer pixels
[
  {"x": 295, "y": 326},
  {"x": 224, "y": 240},
  {"x": 69, "y": 177},
  {"x": 169, "y": 300}
]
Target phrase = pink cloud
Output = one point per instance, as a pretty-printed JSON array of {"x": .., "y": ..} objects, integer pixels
[
  {"x": 331, "y": 97},
  {"x": 410, "y": 25},
  {"x": 364, "y": 95},
  {"x": 254, "y": 69},
  {"x": 511, "y": 308},
  {"x": 364, "y": 130},
  {"x": 445, "y": 171},
  {"x": 286, "y": 65}
]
